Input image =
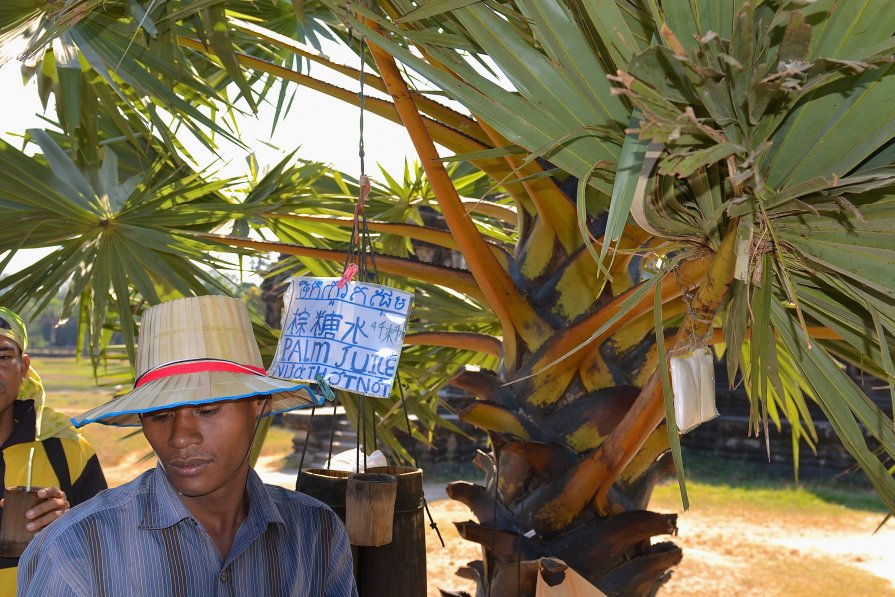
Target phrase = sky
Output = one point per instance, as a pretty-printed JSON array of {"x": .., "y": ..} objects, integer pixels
[{"x": 324, "y": 129}]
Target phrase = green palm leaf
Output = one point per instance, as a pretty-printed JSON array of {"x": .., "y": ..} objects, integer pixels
[{"x": 108, "y": 234}]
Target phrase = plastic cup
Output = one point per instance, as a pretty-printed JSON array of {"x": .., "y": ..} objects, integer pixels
[{"x": 14, "y": 537}]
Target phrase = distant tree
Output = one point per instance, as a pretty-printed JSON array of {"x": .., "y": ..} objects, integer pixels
[{"x": 49, "y": 328}]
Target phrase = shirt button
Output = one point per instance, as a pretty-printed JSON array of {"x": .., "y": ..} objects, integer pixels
[{"x": 225, "y": 576}]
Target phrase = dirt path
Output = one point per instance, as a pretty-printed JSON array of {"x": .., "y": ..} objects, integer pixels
[
  {"x": 730, "y": 556},
  {"x": 725, "y": 552}
]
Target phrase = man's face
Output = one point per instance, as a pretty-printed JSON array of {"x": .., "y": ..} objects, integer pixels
[
  {"x": 13, "y": 369},
  {"x": 203, "y": 447}
]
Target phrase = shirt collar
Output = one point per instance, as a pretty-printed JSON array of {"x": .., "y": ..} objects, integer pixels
[
  {"x": 261, "y": 507},
  {"x": 25, "y": 421},
  {"x": 164, "y": 508}
]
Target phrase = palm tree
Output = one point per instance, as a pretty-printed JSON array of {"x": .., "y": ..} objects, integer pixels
[{"x": 672, "y": 175}]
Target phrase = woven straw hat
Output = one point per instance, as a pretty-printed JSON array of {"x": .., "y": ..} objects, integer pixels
[{"x": 196, "y": 351}]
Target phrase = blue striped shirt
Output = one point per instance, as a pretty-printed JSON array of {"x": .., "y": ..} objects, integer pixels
[{"x": 140, "y": 539}]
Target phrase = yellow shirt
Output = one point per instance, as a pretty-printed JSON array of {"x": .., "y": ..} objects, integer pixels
[{"x": 79, "y": 474}]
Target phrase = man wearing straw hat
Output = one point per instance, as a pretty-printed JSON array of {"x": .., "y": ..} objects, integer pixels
[
  {"x": 40, "y": 448},
  {"x": 202, "y": 522}
]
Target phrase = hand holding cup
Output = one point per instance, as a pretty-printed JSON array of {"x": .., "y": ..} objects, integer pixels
[{"x": 25, "y": 512}]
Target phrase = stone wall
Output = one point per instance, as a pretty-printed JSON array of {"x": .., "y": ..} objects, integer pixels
[{"x": 726, "y": 436}]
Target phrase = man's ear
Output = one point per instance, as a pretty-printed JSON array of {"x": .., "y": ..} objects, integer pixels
[{"x": 26, "y": 364}]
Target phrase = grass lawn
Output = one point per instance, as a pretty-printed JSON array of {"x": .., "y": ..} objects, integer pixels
[
  {"x": 725, "y": 483},
  {"x": 67, "y": 374}
]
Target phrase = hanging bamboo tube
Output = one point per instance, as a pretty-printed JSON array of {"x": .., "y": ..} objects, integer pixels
[
  {"x": 398, "y": 568},
  {"x": 370, "y": 508}
]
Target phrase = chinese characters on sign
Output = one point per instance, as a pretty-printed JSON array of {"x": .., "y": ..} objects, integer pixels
[{"x": 352, "y": 336}]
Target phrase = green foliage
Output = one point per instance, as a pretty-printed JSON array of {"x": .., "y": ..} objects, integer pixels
[
  {"x": 758, "y": 92},
  {"x": 558, "y": 89},
  {"x": 115, "y": 240}
]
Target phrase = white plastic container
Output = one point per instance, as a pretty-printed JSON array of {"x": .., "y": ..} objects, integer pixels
[{"x": 693, "y": 386}]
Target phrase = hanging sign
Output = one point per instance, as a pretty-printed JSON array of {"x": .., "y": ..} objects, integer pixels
[{"x": 352, "y": 336}]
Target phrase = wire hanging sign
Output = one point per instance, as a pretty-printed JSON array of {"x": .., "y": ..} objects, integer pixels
[{"x": 347, "y": 333}]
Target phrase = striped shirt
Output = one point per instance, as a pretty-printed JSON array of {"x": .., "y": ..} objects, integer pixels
[{"x": 140, "y": 539}]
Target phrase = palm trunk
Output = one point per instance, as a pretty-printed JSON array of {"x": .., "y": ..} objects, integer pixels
[{"x": 547, "y": 465}]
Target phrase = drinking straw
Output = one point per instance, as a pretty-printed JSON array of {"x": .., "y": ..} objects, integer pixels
[{"x": 28, "y": 479}]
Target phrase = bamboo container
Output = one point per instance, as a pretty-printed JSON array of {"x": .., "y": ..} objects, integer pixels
[
  {"x": 378, "y": 573},
  {"x": 370, "y": 508}
]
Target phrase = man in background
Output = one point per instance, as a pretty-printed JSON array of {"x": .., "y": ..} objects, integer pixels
[{"x": 62, "y": 464}]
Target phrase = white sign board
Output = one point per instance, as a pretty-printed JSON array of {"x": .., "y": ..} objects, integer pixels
[{"x": 352, "y": 336}]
